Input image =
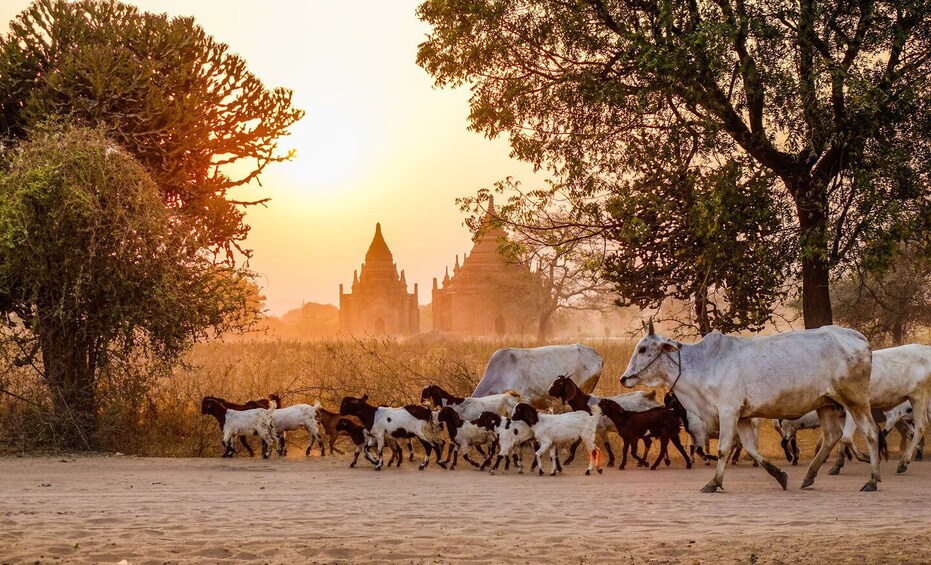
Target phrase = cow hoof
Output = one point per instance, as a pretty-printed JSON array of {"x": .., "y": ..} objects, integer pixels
[
  {"x": 794, "y": 463},
  {"x": 600, "y": 471},
  {"x": 553, "y": 474},
  {"x": 587, "y": 472},
  {"x": 808, "y": 482},
  {"x": 710, "y": 488},
  {"x": 869, "y": 487},
  {"x": 783, "y": 480},
  {"x": 834, "y": 471},
  {"x": 541, "y": 472},
  {"x": 902, "y": 468},
  {"x": 491, "y": 471}
]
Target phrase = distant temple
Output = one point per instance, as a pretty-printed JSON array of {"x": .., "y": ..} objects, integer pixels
[
  {"x": 488, "y": 294},
  {"x": 379, "y": 302}
]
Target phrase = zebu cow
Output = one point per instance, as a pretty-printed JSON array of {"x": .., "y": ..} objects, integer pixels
[
  {"x": 530, "y": 372},
  {"x": 899, "y": 374},
  {"x": 729, "y": 380}
]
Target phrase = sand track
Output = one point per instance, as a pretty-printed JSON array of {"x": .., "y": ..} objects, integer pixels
[{"x": 106, "y": 509}]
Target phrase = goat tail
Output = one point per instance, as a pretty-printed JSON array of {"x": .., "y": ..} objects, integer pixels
[{"x": 591, "y": 427}]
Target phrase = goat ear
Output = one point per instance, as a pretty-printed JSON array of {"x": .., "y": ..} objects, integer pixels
[
  {"x": 650, "y": 330},
  {"x": 365, "y": 397},
  {"x": 669, "y": 347}
]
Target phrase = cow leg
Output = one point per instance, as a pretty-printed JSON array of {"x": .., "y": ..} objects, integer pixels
[
  {"x": 575, "y": 445},
  {"x": 920, "y": 421},
  {"x": 748, "y": 438},
  {"x": 624, "y": 457},
  {"x": 867, "y": 427},
  {"x": 846, "y": 441},
  {"x": 728, "y": 424},
  {"x": 904, "y": 434},
  {"x": 795, "y": 451},
  {"x": 831, "y": 431}
]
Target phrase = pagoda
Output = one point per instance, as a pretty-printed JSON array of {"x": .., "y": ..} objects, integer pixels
[
  {"x": 487, "y": 294},
  {"x": 378, "y": 302}
]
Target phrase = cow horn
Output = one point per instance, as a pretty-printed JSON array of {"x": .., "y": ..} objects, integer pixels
[{"x": 650, "y": 328}]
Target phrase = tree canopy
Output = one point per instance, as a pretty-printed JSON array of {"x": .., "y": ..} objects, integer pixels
[
  {"x": 176, "y": 99},
  {"x": 94, "y": 268},
  {"x": 818, "y": 112}
]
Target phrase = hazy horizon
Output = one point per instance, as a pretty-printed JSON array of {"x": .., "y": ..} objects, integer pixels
[{"x": 378, "y": 144}]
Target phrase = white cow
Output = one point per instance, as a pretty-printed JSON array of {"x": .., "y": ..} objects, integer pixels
[
  {"x": 530, "y": 372},
  {"x": 730, "y": 380},
  {"x": 899, "y": 374}
]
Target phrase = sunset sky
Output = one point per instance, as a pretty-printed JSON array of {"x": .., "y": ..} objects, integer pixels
[{"x": 378, "y": 144}]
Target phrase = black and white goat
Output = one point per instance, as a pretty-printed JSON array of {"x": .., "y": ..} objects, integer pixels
[
  {"x": 258, "y": 421},
  {"x": 355, "y": 429},
  {"x": 383, "y": 422},
  {"x": 463, "y": 435},
  {"x": 511, "y": 436}
]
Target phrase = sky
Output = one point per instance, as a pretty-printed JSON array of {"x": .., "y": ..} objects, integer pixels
[{"x": 378, "y": 144}]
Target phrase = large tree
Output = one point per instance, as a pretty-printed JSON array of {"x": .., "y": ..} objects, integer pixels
[
  {"x": 95, "y": 270},
  {"x": 825, "y": 103},
  {"x": 182, "y": 104}
]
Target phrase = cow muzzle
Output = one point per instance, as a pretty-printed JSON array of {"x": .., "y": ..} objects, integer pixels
[{"x": 628, "y": 381}]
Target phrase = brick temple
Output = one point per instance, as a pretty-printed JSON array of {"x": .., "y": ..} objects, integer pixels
[
  {"x": 378, "y": 302},
  {"x": 487, "y": 294}
]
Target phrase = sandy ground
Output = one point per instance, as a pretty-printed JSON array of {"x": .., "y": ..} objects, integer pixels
[{"x": 296, "y": 510}]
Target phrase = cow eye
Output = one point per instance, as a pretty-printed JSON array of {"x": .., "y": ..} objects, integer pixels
[{"x": 643, "y": 349}]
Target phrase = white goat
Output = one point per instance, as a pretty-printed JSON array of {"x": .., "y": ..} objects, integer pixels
[
  {"x": 234, "y": 423},
  {"x": 471, "y": 408},
  {"x": 553, "y": 430},
  {"x": 295, "y": 417}
]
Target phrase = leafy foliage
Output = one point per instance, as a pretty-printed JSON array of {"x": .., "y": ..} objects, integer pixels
[
  {"x": 823, "y": 107},
  {"x": 887, "y": 304},
  {"x": 163, "y": 89},
  {"x": 95, "y": 272}
]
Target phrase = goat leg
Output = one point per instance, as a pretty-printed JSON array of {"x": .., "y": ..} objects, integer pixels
[
  {"x": 242, "y": 440},
  {"x": 575, "y": 445}
]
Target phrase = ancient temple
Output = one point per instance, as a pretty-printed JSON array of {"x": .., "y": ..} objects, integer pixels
[
  {"x": 379, "y": 302},
  {"x": 487, "y": 294}
]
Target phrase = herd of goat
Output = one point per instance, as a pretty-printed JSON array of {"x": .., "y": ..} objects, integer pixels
[{"x": 498, "y": 426}]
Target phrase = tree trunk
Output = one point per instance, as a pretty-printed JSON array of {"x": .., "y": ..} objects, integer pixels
[
  {"x": 69, "y": 372},
  {"x": 898, "y": 333},
  {"x": 701, "y": 311},
  {"x": 545, "y": 325},
  {"x": 811, "y": 205}
]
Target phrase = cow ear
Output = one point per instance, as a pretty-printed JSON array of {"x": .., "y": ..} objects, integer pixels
[
  {"x": 650, "y": 330},
  {"x": 669, "y": 347}
]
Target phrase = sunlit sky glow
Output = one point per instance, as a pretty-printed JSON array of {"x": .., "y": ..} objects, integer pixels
[{"x": 378, "y": 144}]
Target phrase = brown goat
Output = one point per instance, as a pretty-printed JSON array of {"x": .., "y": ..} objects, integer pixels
[
  {"x": 328, "y": 422},
  {"x": 660, "y": 423},
  {"x": 250, "y": 405}
]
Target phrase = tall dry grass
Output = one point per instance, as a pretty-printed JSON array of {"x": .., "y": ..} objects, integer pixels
[{"x": 161, "y": 417}]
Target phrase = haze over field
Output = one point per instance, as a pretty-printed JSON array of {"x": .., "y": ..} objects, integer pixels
[{"x": 378, "y": 144}]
